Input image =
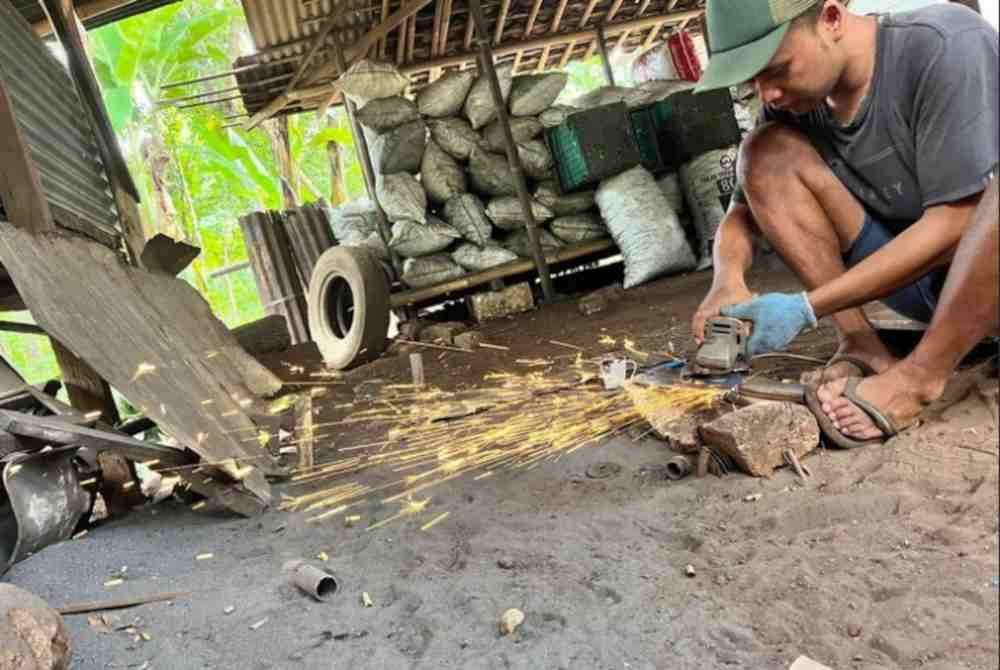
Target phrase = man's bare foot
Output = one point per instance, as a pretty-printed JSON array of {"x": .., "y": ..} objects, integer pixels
[
  {"x": 868, "y": 349},
  {"x": 900, "y": 394}
]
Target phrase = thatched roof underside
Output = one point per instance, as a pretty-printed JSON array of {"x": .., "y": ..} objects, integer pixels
[{"x": 293, "y": 68}]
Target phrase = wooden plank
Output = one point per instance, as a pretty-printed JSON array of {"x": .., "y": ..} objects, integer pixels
[
  {"x": 163, "y": 253},
  {"x": 56, "y": 431},
  {"x": 20, "y": 186},
  {"x": 153, "y": 338},
  {"x": 608, "y": 19},
  {"x": 584, "y": 20}
]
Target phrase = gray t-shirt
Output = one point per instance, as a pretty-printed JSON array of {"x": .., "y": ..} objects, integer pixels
[{"x": 927, "y": 133}]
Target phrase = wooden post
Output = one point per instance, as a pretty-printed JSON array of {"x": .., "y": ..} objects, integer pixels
[
  {"x": 304, "y": 433},
  {"x": 364, "y": 157},
  {"x": 602, "y": 44},
  {"x": 417, "y": 369},
  {"x": 87, "y": 391},
  {"x": 513, "y": 159},
  {"x": 20, "y": 185}
]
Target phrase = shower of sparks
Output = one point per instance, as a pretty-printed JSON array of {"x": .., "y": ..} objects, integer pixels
[{"x": 434, "y": 436}]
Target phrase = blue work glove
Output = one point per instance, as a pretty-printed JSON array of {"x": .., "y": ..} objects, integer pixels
[{"x": 777, "y": 318}]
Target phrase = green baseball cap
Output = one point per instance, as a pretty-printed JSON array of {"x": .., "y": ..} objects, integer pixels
[{"x": 744, "y": 35}]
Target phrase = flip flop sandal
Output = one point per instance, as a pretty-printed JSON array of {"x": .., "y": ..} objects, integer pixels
[
  {"x": 884, "y": 423},
  {"x": 866, "y": 370}
]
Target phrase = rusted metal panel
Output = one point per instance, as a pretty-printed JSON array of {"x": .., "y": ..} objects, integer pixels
[
  {"x": 52, "y": 121},
  {"x": 281, "y": 28},
  {"x": 310, "y": 234},
  {"x": 278, "y": 284}
]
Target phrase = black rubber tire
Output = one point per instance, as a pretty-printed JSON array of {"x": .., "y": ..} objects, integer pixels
[{"x": 349, "y": 307}]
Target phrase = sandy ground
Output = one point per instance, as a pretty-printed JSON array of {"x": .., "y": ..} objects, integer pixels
[{"x": 885, "y": 558}]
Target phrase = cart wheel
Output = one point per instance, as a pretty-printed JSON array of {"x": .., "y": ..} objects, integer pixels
[{"x": 349, "y": 307}]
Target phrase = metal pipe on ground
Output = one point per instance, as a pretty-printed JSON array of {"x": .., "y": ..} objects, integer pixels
[
  {"x": 679, "y": 467},
  {"x": 311, "y": 580},
  {"x": 513, "y": 159}
]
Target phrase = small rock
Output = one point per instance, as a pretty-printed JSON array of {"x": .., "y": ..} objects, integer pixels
[
  {"x": 506, "y": 563},
  {"x": 441, "y": 333},
  {"x": 592, "y": 304},
  {"x": 690, "y": 571},
  {"x": 32, "y": 634},
  {"x": 366, "y": 600},
  {"x": 753, "y": 497},
  {"x": 229, "y": 609},
  {"x": 409, "y": 330},
  {"x": 510, "y": 621},
  {"x": 469, "y": 340},
  {"x": 756, "y": 436},
  {"x": 853, "y": 630},
  {"x": 497, "y": 304}
]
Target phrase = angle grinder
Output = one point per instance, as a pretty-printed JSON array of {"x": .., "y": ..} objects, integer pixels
[{"x": 724, "y": 349}]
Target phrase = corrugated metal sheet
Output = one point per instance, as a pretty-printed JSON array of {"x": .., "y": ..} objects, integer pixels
[
  {"x": 31, "y": 10},
  {"x": 274, "y": 272},
  {"x": 283, "y": 28},
  {"x": 310, "y": 235},
  {"x": 54, "y": 124}
]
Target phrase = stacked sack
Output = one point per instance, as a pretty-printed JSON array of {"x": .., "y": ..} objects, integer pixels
[{"x": 442, "y": 173}]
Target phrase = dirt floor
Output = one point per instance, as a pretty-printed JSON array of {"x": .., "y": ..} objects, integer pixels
[{"x": 886, "y": 557}]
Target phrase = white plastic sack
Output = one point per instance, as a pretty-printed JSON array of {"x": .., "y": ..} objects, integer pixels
[
  {"x": 467, "y": 215},
  {"x": 443, "y": 178},
  {"x": 520, "y": 244},
  {"x": 402, "y": 197},
  {"x": 536, "y": 159},
  {"x": 384, "y": 114},
  {"x": 430, "y": 270},
  {"x": 479, "y": 107},
  {"x": 522, "y": 129},
  {"x": 400, "y": 149},
  {"x": 490, "y": 174},
  {"x": 670, "y": 185},
  {"x": 646, "y": 230},
  {"x": 579, "y": 228},
  {"x": 446, "y": 96},
  {"x": 455, "y": 136},
  {"x": 476, "y": 259},
  {"x": 412, "y": 239},
  {"x": 506, "y": 212},
  {"x": 534, "y": 93},
  {"x": 353, "y": 221},
  {"x": 555, "y": 115},
  {"x": 708, "y": 183},
  {"x": 548, "y": 194},
  {"x": 369, "y": 80}
]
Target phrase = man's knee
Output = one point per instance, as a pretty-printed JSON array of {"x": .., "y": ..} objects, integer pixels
[{"x": 771, "y": 154}]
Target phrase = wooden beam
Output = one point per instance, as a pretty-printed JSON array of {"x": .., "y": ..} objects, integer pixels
[
  {"x": 20, "y": 186},
  {"x": 501, "y": 21},
  {"x": 470, "y": 29},
  {"x": 528, "y": 27},
  {"x": 651, "y": 37},
  {"x": 383, "y": 43},
  {"x": 85, "y": 10},
  {"x": 445, "y": 27},
  {"x": 401, "y": 44},
  {"x": 553, "y": 28},
  {"x": 552, "y": 40},
  {"x": 22, "y": 328},
  {"x": 608, "y": 19}
]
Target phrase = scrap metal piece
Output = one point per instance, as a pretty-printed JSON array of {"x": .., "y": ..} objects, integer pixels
[
  {"x": 41, "y": 502},
  {"x": 311, "y": 580}
]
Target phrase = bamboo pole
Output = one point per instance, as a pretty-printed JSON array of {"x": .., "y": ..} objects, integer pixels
[
  {"x": 602, "y": 44},
  {"x": 513, "y": 159},
  {"x": 528, "y": 27},
  {"x": 514, "y": 268},
  {"x": 553, "y": 28}
]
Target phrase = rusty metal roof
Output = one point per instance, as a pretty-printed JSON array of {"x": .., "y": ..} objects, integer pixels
[{"x": 537, "y": 35}]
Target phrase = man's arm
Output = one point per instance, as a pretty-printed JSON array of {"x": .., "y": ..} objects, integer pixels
[
  {"x": 925, "y": 245},
  {"x": 732, "y": 256}
]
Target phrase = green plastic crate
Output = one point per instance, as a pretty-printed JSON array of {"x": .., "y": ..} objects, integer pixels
[
  {"x": 647, "y": 137},
  {"x": 593, "y": 145},
  {"x": 689, "y": 125}
]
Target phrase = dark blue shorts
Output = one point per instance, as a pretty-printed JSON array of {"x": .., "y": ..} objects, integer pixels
[{"x": 917, "y": 301}]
